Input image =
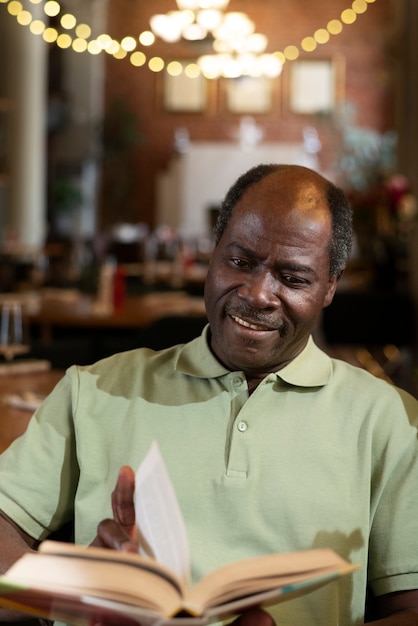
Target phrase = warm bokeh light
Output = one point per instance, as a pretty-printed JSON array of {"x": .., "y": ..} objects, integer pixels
[
  {"x": 64, "y": 41},
  {"x": 156, "y": 64},
  {"x": 174, "y": 68},
  {"x": 209, "y": 18},
  {"x": 348, "y": 16},
  {"x": 24, "y": 18},
  {"x": 113, "y": 47},
  {"x": 93, "y": 47},
  {"x": 128, "y": 44},
  {"x": 359, "y": 6},
  {"x": 209, "y": 65},
  {"x": 238, "y": 50},
  {"x": 104, "y": 41},
  {"x": 138, "y": 59},
  {"x": 146, "y": 38},
  {"x": 79, "y": 45},
  {"x": 14, "y": 7},
  {"x": 308, "y": 44},
  {"x": 52, "y": 8},
  {"x": 334, "y": 27},
  {"x": 120, "y": 54},
  {"x": 270, "y": 65},
  {"x": 280, "y": 57},
  {"x": 321, "y": 36},
  {"x": 291, "y": 53},
  {"x": 192, "y": 70},
  {"x": 68, "y": 21},
  {"x": 83, "y": 31},
  {"x": 37, "y": 27},
  {"x": 50, "y": 35}
]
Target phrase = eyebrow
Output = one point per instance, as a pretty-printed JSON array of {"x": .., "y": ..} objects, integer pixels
[{"x": 299, "y": 267}]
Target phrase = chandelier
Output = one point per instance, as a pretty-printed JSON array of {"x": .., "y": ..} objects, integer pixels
[{"x": 237, "y": 49}]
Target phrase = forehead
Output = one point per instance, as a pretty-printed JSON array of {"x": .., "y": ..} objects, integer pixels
[
  {"x": 282, "y": 200},
  {"x": 293, "y": 188}
]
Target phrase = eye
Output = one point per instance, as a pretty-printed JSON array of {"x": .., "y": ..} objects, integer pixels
[
  {"x": 294, "y": 281},
  {"x": 241, "y": 263}
]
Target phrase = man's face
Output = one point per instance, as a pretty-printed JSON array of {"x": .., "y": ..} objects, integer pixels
[{"x": 268, "y": 279}]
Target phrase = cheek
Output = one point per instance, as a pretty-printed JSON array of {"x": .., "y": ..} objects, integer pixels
[
  {"x": 217, "y": 282},
  {"x": 304, "y": 307},
  {"x": 214, "y": 286}
]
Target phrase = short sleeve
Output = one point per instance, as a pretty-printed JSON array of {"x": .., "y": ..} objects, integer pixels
[
  {"x": 393, "y": 554},
  {"x": 39, "y": 471}
]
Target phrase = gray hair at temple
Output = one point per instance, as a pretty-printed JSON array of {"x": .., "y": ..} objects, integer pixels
[{"x": 339, "y": 206}]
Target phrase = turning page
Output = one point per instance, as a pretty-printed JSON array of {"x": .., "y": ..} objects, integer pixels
[{"x": 158, "y": 516}]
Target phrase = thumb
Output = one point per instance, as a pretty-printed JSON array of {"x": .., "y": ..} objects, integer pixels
[{"x": 123, "y": 500}]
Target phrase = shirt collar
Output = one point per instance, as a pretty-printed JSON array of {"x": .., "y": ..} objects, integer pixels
[
  {"x": 197, "y": 359},
  {"x": 311, "y": 368}
]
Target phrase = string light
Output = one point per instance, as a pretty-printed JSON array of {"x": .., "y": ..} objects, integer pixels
[{"x": 78, "y": 36}]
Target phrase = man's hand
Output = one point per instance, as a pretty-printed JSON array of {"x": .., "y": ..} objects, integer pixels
[
  {"x": 120, "y": 533},
  {"x": 254, "y": 617}
]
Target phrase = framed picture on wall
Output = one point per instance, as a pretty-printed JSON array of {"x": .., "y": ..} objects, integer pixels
[
  {"x": 249, "y": 95},
  {"x": 316, "y": 85},
  {"x": 182, "y": 93}
]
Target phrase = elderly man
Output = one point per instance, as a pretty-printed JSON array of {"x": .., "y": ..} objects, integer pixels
[{"x": 271, "y": 445}]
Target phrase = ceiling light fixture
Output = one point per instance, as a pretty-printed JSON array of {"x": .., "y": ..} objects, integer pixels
[{"x": 237, "y": 49}]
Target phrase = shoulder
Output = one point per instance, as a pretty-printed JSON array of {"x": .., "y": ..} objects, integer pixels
[
  {"x": 126, "y": 364},
  {"x": 360, "y": 387},
  {"x": 193, "y": 358}
]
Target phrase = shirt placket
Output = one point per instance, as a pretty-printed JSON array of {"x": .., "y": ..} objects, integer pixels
[{"x": 244, "y": 412}]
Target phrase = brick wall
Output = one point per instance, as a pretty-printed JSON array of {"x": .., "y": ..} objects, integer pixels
[{"x": 368, "y": 48}]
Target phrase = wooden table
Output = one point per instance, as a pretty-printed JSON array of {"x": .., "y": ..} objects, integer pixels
[
  {"x": 136, "y": 312},
  {"x": 13, "y": 421}
]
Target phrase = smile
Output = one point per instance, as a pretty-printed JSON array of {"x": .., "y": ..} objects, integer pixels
[{"x": 242, "y": 322}]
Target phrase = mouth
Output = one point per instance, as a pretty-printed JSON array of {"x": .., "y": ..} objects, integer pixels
[{"x": 251, "y": 325}]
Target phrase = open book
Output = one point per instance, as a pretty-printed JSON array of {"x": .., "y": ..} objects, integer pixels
[{"x": 74, "y": 583}]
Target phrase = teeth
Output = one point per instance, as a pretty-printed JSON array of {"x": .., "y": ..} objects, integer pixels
[{"x": 246, "y": 324}]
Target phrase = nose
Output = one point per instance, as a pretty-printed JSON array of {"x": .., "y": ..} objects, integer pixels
[{"x": 261, "y": 291}]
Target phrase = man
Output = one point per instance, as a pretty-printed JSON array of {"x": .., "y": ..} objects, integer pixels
[{"x": 271, "y": 445}]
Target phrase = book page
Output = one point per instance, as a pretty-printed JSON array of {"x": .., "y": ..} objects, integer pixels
[
  {"x": 266, "y": 572},
  {"x": 158, "y": 515},
  {"x": 119, "y": 579}
]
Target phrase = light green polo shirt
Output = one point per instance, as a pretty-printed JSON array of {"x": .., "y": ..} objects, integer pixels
[{"x": 320, "y": 454}]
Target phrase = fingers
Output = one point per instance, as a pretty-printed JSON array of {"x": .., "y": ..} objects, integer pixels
[
  {"x": 123, "y": 501},
  {"x": 111, "y": 535},
  {"x": 254, "y": 617},
  {"x": 120, "y": 532},
  {"x": 101, "y": 617}
]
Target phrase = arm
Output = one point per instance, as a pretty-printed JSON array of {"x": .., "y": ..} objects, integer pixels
[
  {"x": 398, "y": 609},
  {"x": 14, "y": 542}
]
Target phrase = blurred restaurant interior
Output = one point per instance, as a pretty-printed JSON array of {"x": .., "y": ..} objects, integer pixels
[{"x": 119, "y": 137}]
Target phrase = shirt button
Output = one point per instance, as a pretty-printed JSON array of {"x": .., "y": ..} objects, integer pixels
[
  {"x": 237, "y": 382},
  {"x": 242, "y": 426}
]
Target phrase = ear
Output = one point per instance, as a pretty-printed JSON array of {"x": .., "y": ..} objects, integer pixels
[{"x": 332, "y": 286}]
